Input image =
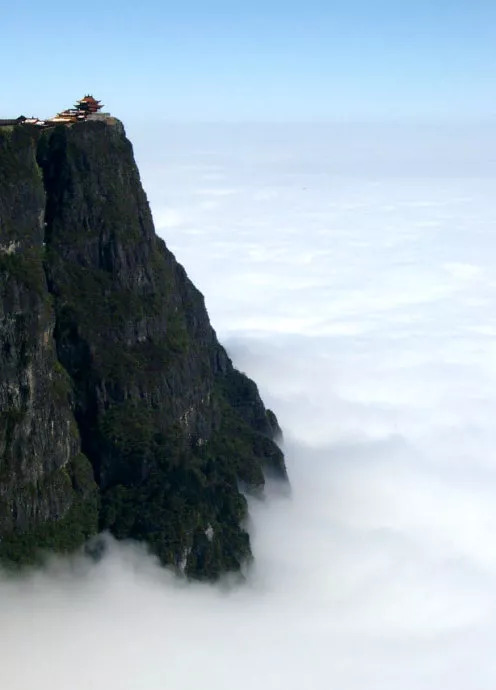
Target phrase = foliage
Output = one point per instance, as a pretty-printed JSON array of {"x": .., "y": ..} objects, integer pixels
[
  {"x": 65, "y": 534},
  {"x": 26, "y": 268}
]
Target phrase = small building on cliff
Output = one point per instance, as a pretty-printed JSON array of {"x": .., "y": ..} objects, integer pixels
[
  {"x": 15, "y": 121},
  {"x": 87, "y": 107}
]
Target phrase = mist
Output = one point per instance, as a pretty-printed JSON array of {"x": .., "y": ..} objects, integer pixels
[{"x": 350, "y": 272}]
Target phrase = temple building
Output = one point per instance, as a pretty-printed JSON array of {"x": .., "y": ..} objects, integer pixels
[
  {"x": 88, "y": 105},
  {"x": 86, "y": 108},
  {"x": 65, "y": 117}
]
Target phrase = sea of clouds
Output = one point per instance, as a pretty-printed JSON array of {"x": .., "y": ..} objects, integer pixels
[{"x": 350, "y": 272}]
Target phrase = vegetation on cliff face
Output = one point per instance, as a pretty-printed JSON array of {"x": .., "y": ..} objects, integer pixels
[{"x": 111, "y": 371}]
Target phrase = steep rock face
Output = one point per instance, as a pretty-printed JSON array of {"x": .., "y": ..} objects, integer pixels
[
  {"x": 137, "y": 378},
  {"x": 43, "y": 475}
]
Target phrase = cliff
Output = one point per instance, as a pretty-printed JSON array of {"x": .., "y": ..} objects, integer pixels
[{"x": 119, "y": 410}]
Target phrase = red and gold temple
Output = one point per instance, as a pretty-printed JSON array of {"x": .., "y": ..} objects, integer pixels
[{"x": 86, "y": 107}]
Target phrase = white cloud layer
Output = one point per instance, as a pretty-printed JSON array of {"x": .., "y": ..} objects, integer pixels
[{"x": 362, "y": 302}]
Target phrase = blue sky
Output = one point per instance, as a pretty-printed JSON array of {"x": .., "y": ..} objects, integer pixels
[{"x": 265, "y": 61}]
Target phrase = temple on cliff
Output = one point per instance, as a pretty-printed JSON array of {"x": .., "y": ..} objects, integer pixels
[
  {"x": 83, "y": 109},
  {"x": 87, "y": 107}
]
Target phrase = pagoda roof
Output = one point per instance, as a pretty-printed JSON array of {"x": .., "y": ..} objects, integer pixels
[{"x": 88, "y": 99}]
